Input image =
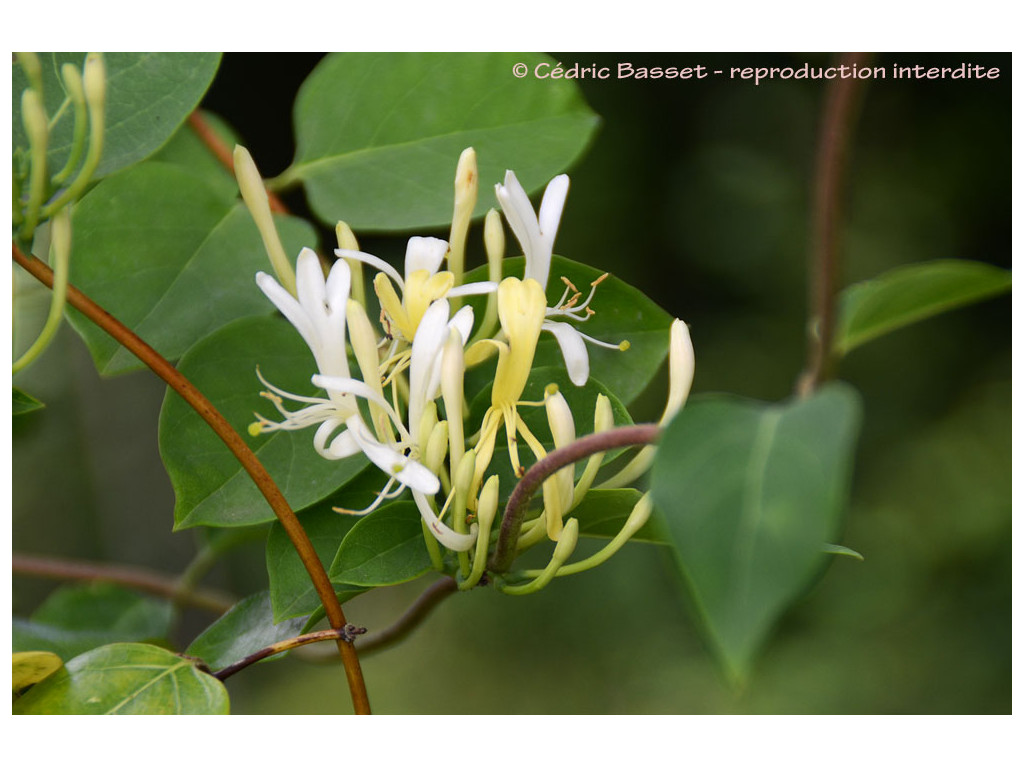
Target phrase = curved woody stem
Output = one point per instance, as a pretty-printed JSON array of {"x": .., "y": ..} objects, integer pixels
[
  {"x": 839, "y": 115},
  {"x": 518, "y": 501},
  {"x": 252, "y": 465}
]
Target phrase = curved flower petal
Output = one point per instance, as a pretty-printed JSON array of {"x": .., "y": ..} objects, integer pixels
[
  {"x": 405, "y": 470},
  {"x": 457, "y": 542},
  {"x": 574, "y": 350},
  {"x": 424, "y": 253},
  {"x": 425, "y": 358},
  {"x": 535, "y": 233},
  {"x": 288, "y": 306},
  {"x": 373, "y": 261}
]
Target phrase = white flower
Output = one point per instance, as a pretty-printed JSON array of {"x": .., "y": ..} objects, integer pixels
[
  {"x": 318, "y": 314},
  {"x": 422, "y": 285},
  {"x": 425, "y": 372},
  {"x": 536, "y": 234}
]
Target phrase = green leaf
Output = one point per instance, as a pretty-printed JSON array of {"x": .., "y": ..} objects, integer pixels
[
  {"x": 291, "y": 591},
  {"x": 76, "y": 619},
  {"x": 170, "y": 257},
  {"x": 379, "y": 134},
  {"x": 245, "y": 629},
  {"x": 22, "y": 402},
  {"x": 187, "y": 151},
  {"x": 622, "y": 313},
  {"x": 750, "y": 493},
  {"x": 839, "y": 549},
  {"x": 910, "y": 293},
  {"x": 385, "y": 547},
  {"x": 29, "y": 667},
  {"x": 149, "y": 95},
  {"x": 126, "y": 679},
  {"x": 602, "y": 513},
  {"x": 581, "y": 401},
  {"x": 210, "y": 486}
]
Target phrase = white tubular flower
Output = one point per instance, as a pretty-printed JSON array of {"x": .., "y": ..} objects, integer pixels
[
  {"x": 425, "y": 373},
  {"x": 422, "y": 285},
  {"x": 318, "y": 314},
  {"x": 536, "y": 234}
]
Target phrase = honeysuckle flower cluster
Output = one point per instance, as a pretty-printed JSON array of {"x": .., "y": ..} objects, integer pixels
[{"x": 412, "y": 367}]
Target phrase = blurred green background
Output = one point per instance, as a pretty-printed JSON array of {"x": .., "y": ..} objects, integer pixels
[{"x": 698, "y": 193}]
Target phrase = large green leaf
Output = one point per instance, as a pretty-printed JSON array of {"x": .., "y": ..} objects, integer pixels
[
  {"x": 210, "y": 486},
  {"x": 385, "y": 547},
  {"x": 291, "y": 591},
  {"x": 78, "y": 618},
  {"x": 149, "y": 95},
  {"x": 170, "y": 257},
  {"x": 245, "y": 629},
  {"x": 126, "y": 679},
  {"x": 379, "y": 134},
  {"x": 751, "y": 493},
  {"x": 188, "y": 152},
  {"x": 910, "y": 293},
  {"x": 621, "y": 313}
]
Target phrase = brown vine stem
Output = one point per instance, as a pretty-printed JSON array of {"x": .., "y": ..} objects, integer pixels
[
  {"x": 519, "y": 500},
  {"x": 345, "y": 634},
  {"x": 222, "y": 152},
  {"x": 252, "y": 465},
  {"x": 414, "y": 614},
  {"x": 833, "y": 151},
  {"x": 138, "y": 578}
]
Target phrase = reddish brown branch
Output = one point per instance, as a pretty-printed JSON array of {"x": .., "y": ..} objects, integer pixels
[
  {"x": 345, "y": 634},
  {"x": 252, "y": 465},
  {"x": 138, "y": 578},
  {"x": 833, "y": 150},
  {"x": 413, "y": 615}
]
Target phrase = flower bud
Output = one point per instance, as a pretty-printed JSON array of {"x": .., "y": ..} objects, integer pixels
[
  {"x": 494, "y": 243},
  {"x": 33, "y": 116},
  {"x": 94, "y": 78},
  {"x": 680, "y": 369},
  {"x": 437, "y": 447},
  {"x": 453, "y": 369},
  {"x": 558, "y": 489},
  {"x": 250, "y": 183},
  {"x": 464, "y": 470},
  {"x": 347, "y": 241},
  {"x": 73, "y": 82},
  {"x": 567, "y": 541},
  {"x": 487, "y": 509},
  {"x": 466, "y": 185}
]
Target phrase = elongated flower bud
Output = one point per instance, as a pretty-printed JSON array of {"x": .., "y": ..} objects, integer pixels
[
  {"x": 347, "y": 241},
  {"x": 250, "y": 183},
  {"x": 466, "y": 186},
  {"x": 94, "y": 77},
  {"x": 558, "y": 490}
]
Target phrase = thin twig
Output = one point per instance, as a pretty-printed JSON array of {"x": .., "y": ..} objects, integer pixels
[
  {"x": 831, "y": 164},
  {"x": 413, "y": 615},
  {"x": 141, "y": 579},
  {"x": 222, "y": 152},
  {"x": 252, "y": 465},
  {"x": 345, "y": 634},
  {"x": 519, "y": 500}
]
